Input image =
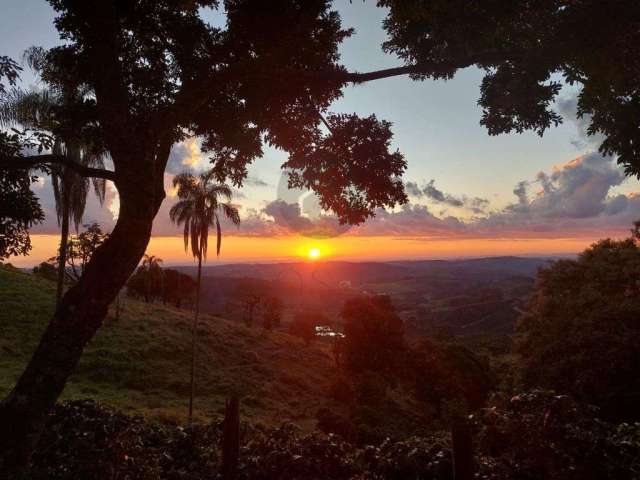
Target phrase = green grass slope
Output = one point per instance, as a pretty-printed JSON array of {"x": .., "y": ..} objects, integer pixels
[{"x": 140, "y": 363}]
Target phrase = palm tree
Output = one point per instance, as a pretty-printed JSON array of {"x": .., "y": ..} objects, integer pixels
[
  {"x": 199, "y": 208},
  {"x": 36, "y": 110},
  {"x": 152, "y": 267}
]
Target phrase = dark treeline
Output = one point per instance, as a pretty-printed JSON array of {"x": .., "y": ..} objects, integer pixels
[{"x": 152, "y": 283}]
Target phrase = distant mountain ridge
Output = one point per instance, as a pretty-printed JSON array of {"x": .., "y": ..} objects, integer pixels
[{"x": 367, "y": 272}]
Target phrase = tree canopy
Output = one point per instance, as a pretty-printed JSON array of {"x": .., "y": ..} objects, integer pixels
[
  {"x": 526, "y": 49},
  {"x": 580, "y": 334},
  {"x": 374, "y": 334}
]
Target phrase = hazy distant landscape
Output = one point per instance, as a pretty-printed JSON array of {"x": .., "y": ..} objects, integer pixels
[{"x": 457, "y": 297}]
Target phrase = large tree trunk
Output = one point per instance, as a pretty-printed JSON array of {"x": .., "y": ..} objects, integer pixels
[
  {"x": 81, "y": 312},
  {"x": 62, "y": 254},
  {"x": 194, "y": 334}
]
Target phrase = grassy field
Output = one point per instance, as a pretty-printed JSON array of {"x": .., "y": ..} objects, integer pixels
[{"x": 140, "y": 363}]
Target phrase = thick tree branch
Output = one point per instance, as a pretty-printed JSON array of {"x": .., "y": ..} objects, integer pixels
[
  {"x": 36, "y": 161},
  {"x": 358, "y": 77},
  {"x": 482, "y": 59}
]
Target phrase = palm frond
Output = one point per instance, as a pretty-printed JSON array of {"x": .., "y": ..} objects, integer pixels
[
  {"x": 198, "y": 208},
  {"x": 32, "y": 109},
  {"x": 219, "y": 235},
  {"x": 231, "y": 212},
  {"x": 35, "y": 58}
]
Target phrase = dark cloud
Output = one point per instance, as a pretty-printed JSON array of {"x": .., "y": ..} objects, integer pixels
[
  {"x": 290, "y": 217},
  {"x": 411, "y": 220},
  {"x": 413, "y": 189},
  {"x": 430, "y": 191}
]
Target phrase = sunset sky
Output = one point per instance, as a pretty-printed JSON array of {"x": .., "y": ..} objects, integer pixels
[{"x": 470, "y": 194}]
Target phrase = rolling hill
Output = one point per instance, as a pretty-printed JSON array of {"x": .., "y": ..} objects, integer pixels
[{"x": 140, "y": 363}]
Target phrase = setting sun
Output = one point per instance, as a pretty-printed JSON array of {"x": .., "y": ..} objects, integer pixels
[{"x": 314, "y": 253}]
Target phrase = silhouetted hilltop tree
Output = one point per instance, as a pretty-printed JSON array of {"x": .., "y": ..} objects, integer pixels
[
  {"x": 374, "y": 335},
  {"x": 249, "y": 294},
  {"x": 272, "y": 312},
  {"x": 80, "y": 248},
  {"x": 178, "y": 288},
  {"x": 46, "y": 270},
  {"x": 581, "y": 334},
  {"x": 147, "y": 282}
]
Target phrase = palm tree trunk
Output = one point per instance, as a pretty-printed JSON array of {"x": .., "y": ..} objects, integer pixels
[
  {"x": 62, "y": 256},
  {"x": 193, "y": 339}
]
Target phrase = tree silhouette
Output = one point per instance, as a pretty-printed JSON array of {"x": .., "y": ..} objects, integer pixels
[
  {"x": 19, "y": 207},
  {"x": 272, "y": 312},
  {"x": 151, "y": 269},
  {"x": 373, "y": 335},
  {"x": 38, "y": 110},
  {"x": 199, "y": 208},
  {"x": 81, "y": 247},
  {"x": 159, "y": 73}
]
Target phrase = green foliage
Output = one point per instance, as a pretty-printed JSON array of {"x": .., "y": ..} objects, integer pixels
[
  {"x": 543, "y": 435},
  {"x": 581, "y": 335},
  {"x": 86, "y": 440},
  {"x": 374, "y": 335},
  {"x": 535, "y": 435},
  {"x": 446, "y": 371}
]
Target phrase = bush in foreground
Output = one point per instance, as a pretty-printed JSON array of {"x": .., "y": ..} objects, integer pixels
[{"x": 531, "y": 436}]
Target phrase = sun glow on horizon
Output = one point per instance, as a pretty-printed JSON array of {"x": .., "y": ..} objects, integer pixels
[
  {"x": 343, "y": 248},
  {"x": 314, "y": 253}
]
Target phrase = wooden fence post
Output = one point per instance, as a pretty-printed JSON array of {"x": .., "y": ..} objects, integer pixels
[
  {"x": 463, "y": 464},
  {"x": 231, "y": 439}
]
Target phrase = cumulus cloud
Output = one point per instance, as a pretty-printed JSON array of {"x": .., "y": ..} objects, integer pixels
[
  {"x": 574, "y": 197},
  {"x": 186, "y": 155},
  {"x": 568, "y": 108},
  {"x": 577, "y": 198}
]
